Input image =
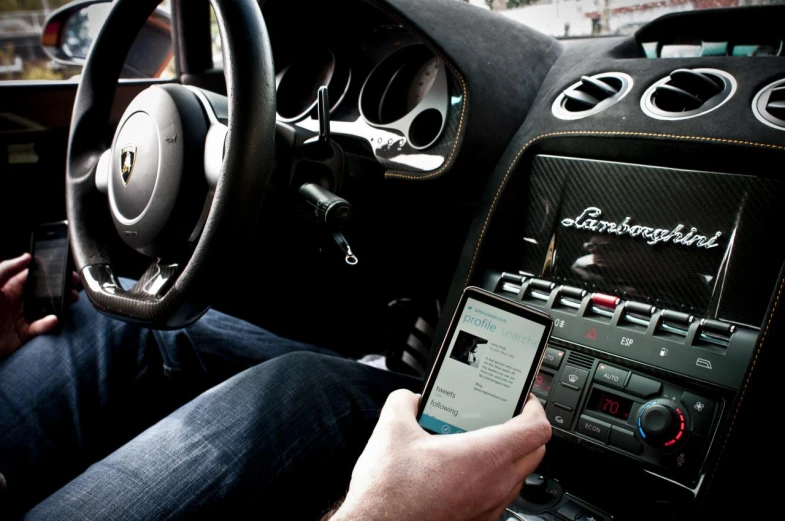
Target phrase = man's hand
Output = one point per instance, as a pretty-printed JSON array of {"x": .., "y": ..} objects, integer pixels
[
  {"x": 406, "y": 474},
  {"x": 14, "y": 329}
]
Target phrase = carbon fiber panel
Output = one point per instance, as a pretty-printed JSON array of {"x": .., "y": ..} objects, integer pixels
[{"x": 627, "y": 230}]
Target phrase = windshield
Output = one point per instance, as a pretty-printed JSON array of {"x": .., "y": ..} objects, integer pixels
[{"x": 566, "y": 18}]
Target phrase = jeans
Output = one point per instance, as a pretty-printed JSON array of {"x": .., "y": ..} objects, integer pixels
[{"x": 87, "y": 428}]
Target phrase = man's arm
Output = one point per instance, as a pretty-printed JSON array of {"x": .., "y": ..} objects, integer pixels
[{"x": 406, "y": 474}]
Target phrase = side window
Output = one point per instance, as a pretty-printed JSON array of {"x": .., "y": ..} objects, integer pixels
[
  {"x": 215, "y": 38},
  {"x": 24, "y": 57}
]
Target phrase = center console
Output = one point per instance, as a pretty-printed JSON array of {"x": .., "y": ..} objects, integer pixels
[{"x": 646, "y": 273}]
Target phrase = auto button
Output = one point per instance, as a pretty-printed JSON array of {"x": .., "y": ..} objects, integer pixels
[{"x": 611, "y": 376}]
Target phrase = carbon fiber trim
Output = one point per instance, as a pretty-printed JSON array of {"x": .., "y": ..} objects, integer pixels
[{"x": 708, "y": 282}]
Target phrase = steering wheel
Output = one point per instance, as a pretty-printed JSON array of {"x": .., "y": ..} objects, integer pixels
[{"x": 186, "y": 175}]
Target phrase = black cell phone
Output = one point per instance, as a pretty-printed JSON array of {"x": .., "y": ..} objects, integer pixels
[
  {"x": 47, "y": 286},
  {"x": 486, "y": 365}
]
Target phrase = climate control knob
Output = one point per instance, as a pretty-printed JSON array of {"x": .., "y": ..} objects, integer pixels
[{"x": 662, "y": 423}]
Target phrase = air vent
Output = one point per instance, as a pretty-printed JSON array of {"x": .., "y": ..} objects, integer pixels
[
  {"x": 591, "y": 95},
  {"x": 769, "y": 105},
  {"x": 580, "y": 360},
  {"x": 688, "y": 93}
]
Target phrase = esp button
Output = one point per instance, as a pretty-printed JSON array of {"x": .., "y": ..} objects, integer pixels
[
  {"x": 553, "y": 358},
  {"x": 611, "y": 376}
]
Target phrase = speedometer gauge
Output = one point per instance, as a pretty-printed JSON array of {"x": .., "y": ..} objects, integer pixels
[{"x": 422, "y": 82}]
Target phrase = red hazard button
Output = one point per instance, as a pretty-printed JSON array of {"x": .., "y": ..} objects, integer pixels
[{"x": 591, "y": 334}]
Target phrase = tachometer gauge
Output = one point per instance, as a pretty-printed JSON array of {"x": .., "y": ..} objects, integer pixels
[{"x": 298, "y": 84}]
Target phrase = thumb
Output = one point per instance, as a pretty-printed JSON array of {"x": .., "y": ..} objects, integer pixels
[
  {"x": 12, "y": 267},
  {"x": 400, "y": 411},
  {"x": 42, "y": 326},
  {"x": 518, "y": 437}
]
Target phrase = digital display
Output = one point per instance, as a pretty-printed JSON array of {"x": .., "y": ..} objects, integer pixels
[
  {"x": 484, "y": 370},
  {"x": 610, "y": 404},
  {"x": 542, "y": 383}
]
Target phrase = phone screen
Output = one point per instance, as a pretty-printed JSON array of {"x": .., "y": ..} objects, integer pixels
[
  {"x": 46, "y": 280},
  {"x": 488, "y": 363},
  {"x": 49, "y": 265}
]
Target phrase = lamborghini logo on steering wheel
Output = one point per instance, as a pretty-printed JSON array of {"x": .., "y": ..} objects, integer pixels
[{"x": 127, "y": 162}]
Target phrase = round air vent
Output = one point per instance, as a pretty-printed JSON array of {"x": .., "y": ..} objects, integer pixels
[
  {"x": 769, "y": 105},
  {"x": 688, "y": 93},
  {"x": 591, "y": 95}
]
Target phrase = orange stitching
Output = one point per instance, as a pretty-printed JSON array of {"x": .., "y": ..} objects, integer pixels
[
  {"x": 454, "y": 69},
  {"x": 592, "y": 133},
  {"x": 744, "y": 389}
]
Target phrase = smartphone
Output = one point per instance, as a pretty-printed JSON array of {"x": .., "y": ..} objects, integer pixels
[
  {"x": 486, "y": 365},
  {"x": 47, "y": 286}
]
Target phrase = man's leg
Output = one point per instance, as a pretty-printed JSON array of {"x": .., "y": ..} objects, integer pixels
[
  {"x": 69, "y": 399},
  {"x": 279, "y": 439}
]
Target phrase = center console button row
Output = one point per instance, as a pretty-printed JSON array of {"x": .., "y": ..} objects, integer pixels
[
  {"x": 574, "y": 377},
  {"x": 565, "y": 396},
  {"x": 592, "y": 428},
  {"x": 559, "y": 416},
  {"x": 625, "y": 440},
  {"x": 611, "y": 376},
  {"x": 553, "y": 358},
  {"x": 642, "y": 386}
]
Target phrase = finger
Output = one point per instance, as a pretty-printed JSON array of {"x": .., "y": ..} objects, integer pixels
[
  {"x": 74, "y": 296},
  {"x": 12, "y": 267},
  {"x": 76, "y": 282},
  {"x": 517, "y": 437},
  {"x": 42, "y": 326}
]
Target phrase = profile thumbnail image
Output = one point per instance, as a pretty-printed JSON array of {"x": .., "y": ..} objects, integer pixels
[{"x": 467, "y": 349}]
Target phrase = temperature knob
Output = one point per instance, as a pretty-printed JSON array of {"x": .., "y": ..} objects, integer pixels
[{"x": 662, "y": 423}]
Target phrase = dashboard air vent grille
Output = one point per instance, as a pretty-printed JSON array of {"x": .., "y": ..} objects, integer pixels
[
  {"x": 769, "y": 105},
  {"x": 580, "y": 360},
  {"x": 687, "y": 93},
  {"x": 591, "y": 95}
]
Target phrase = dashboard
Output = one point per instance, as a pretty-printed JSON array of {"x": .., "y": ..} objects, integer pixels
[
  {"x": 389, "y": 93},
  {"x": 628, "y": 186}
]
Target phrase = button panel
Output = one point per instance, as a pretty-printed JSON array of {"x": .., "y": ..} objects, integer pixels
[
  {"x": 701, "y": 411},
  {"x": 625, "y": 440},
  {"x": 574, "y": 377},
  {"x": 643, "y": 387},
  {"x": 611, "y": 376},
  {"x": 566, "y": 396},
  {"x": 559, "y": 416},
  {"x": 553, "y": 358},
  {"x": 593, "y": 428},
  {"x": 713, "y": 351}
]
